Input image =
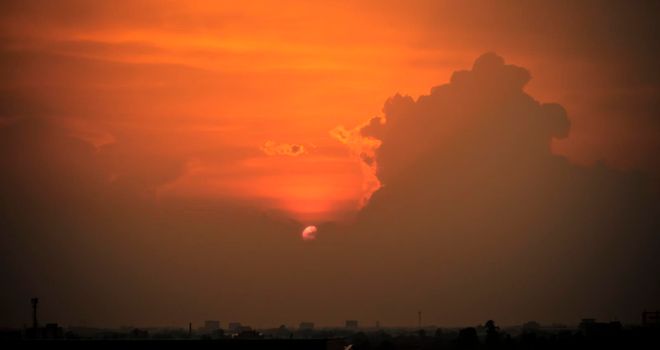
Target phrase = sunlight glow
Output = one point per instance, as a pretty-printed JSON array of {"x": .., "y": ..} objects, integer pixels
[{"x": 309, "y": 233}]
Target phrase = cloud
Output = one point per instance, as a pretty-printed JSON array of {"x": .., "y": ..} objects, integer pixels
[
  {"x": 482, "y": 108},
  {"x": 363, "y": 149},
  {"x": 273, "y": 148},
  {"x": 482, "y": 218}
]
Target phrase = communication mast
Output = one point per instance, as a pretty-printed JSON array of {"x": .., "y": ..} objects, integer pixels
[{"x": 35, "y": 324}]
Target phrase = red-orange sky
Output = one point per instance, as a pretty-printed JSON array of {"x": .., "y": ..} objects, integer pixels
[
  {"x": 213, "y": 82},
  {"x": 167, "y": 138}
]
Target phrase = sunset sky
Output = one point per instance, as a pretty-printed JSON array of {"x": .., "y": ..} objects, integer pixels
[{"x": 161, "y": 159}]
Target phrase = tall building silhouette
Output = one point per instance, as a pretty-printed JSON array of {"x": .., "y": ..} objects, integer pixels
[
  {"x": 651, "y": 318},
  {"x": 35, "y": 323}
]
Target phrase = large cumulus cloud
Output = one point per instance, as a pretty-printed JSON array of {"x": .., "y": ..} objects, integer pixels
[
  {"x": 478, "y": 216},
  {"x": 481, "y": 112}
]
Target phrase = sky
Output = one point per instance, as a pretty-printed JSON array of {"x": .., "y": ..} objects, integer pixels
[{"x": 271, "y": 162}]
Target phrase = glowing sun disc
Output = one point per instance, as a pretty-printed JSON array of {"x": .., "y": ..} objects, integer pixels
[{"x": 309, "y": 233}]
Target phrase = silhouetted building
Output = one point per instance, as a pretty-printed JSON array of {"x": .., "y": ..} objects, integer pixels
[
  {"x": 283, "y": 332},
  {"x": 50, "y": 331},
  {"x": 234, "y": 327},
  {"x": 139, "y": 334},
  {"x": 249, "y": 334},
  {"x": 306, "y": 326},
  {"x": 591, "y": 328},
  {"x": 352, "y": 324},
  {"x": 10, "y": 334},
  {"x": 53, "y": 331},
  {"x": 211, "y": 326},
  {"x": 651, "y": 318},
  {"x": 531, "y": 326}
]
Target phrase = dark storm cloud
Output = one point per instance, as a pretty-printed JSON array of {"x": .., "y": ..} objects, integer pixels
[
  {"x": 485, "y": 118},
  {"x": 478, "y": 217}
]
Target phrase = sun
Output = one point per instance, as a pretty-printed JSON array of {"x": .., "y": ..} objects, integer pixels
[{"x": 309, "y": 233}]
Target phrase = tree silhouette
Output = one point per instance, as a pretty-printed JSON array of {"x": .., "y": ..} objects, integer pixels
[{"x": 492, "y": 333}]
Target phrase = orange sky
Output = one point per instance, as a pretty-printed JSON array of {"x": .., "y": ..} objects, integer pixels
[{"x": 209, "y": 84}]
